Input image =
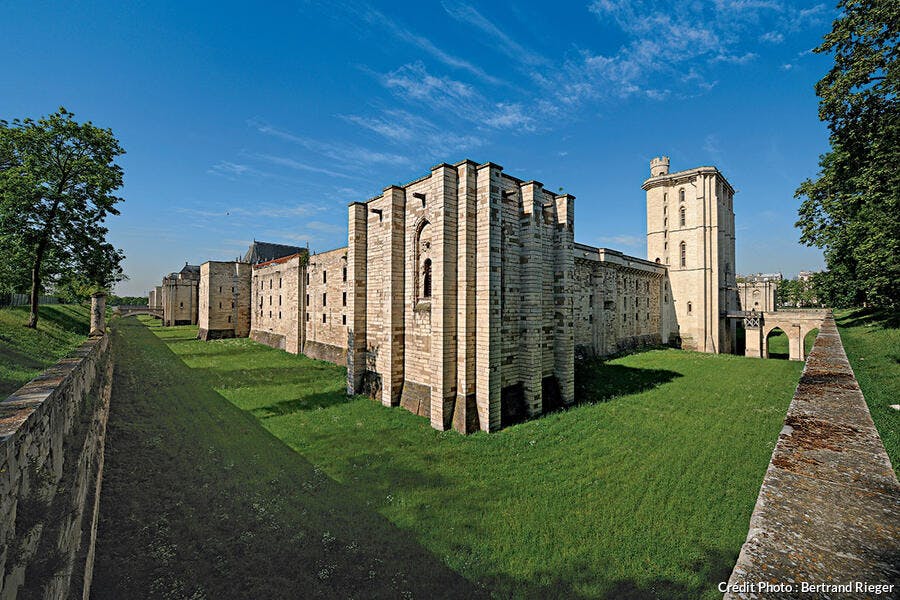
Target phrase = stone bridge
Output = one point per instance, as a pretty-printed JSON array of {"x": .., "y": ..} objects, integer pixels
[
  {"x": 794, "y": 323},
  {"x": 131, "y": 310}
]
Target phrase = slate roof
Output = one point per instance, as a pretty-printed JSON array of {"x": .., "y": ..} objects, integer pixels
[{"x": 259, "y": 252}]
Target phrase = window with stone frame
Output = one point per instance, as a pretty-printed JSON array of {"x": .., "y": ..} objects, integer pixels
[
  {"x": 423, "y": 273},
  {"x": 682, "y": 214}
]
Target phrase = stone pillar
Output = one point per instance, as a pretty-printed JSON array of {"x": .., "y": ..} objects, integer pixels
[
  {"x": 465, "y": 414},
  {"x": 356, "y": 274},
  {"x": 532, "y": 277},
  {"x": 443, "y": 301},
  {"x": 392, "y": 345},
  {"x": 564, "y": 306},
  {"x": 487, "y": 296},
  {"x": 795, "y": 342},
  {"x": 753, "y": 337},
  {"x": 98, "y": 314}
]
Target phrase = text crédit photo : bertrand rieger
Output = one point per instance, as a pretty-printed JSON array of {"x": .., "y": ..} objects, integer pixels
[{"x": 805, "y": 587}]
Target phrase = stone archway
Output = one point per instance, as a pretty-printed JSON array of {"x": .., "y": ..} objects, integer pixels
[
  {"x": 795, "y": 324},
  {"x": 777, "y": 343}
]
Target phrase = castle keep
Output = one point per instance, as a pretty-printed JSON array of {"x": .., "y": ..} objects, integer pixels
[{"x": 463, "y": 297}]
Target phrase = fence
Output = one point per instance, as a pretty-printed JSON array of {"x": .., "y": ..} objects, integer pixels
[{"x": 25, "y": 299}]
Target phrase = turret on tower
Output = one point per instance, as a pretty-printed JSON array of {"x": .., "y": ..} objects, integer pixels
[{"x": 659, "y": 166}]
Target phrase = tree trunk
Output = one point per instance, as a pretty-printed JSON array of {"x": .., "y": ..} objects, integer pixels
[{"x": 36, "y": 284}]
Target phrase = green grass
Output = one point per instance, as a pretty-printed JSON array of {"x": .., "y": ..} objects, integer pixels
[
  {"x": 25, "y": 353},
  {"x": 643, "y": 490},
  {"x": 872, "y": 342},
  {"x": 778, "y": 345}
]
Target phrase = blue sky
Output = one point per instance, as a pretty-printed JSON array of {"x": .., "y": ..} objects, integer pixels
[{"x": 243, "y": 123}]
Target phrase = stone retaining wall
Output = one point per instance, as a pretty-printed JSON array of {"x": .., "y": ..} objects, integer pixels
[
  {"x": 828, "y": 511},
  {"x": 52, "y": 433}
]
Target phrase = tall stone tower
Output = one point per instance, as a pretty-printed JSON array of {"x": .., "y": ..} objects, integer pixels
[{"x": 690, "y": 228}]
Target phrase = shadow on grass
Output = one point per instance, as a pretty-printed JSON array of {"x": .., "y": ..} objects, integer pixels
[
  {"x": 306, "y": 402},
  {"x": 66, "y": 317},
  {"x": 888, "y": 319},
  {"x": 200, "y": 501},
  {"x": 599, "y": 381}
]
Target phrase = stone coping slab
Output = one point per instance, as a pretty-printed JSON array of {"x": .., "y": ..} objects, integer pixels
[{"x": 828, "y": 511}]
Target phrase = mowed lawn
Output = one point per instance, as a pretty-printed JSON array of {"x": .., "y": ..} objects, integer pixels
[
  {"x": 25, "y": 353},
  {"x": 235, "y": 455},
  {"x": 872, "y": 343}
]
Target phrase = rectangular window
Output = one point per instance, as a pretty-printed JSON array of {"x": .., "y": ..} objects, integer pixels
[
  {"x": 345, "y": 299},
  {"x": 307, "y": 299},
  {"x": 279, "y": 314},
  {"x": 343, "y": 319},
  {"x": 229, "y": 318},
  {"x": 279, "y": 282},
  {"x": 307, "y": 317},
  {"x": 345, "y": 273},
  {"x": 324, "y": 299},
  {"x": 307, "y": 278},
  {"x": 220, "y": 288},
  {"x": 323, "y": 318},
  {"x": 324, "y": 276},
  {"x": 279, "y": 300}
]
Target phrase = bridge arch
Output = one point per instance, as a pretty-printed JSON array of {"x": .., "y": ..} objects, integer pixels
[{"x": 777, "y": 343}]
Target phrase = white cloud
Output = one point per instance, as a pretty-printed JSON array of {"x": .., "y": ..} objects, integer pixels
[
  {"x": 772, "y": 37},
  {"x": 380, "y": 20},
  {"x": 493, "y": 34}
]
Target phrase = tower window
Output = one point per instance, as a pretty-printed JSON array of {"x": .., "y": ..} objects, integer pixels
[
  {"x": 426, "y": 279},
  {"x": 681, "y": 195},
  {"x": 343, "y": 319},
  {"x": 345, "y": 273},
  {"x": 324, "y": 276},
  {"x": 344, "y": 298},
  {"x": 681, "y": 216},
  {"x": 690, "y": 308},
  {"x": 683, "y": 254},
  {"x": 323, "y": 318},
  {"x": 324, "y": 299}
]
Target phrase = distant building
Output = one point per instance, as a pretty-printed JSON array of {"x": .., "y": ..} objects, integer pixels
[
  {"x": 224, "y": 305},
  {"x": 180, "y": 299}
]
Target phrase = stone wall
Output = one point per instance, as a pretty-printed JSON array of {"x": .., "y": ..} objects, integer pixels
[
  {"x": 619, "y": 302},
  {"x": 460, "y": 297},
  {"x": 180, "y": 301},
  {"x": 52, "y": 433},
  {"x": 278, "y": 289},
  {"x": 828, "y": 510},
  {"x": 758, "y": 295},
  {"x": 224, "y": 292},
  {"x": 325, "y": 303}
]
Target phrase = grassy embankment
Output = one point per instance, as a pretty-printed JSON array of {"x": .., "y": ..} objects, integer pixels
[
  {"x": 234, "y": 469},
  {"x": 872, "y": 342},
  {"x": 25, "y": 352}
]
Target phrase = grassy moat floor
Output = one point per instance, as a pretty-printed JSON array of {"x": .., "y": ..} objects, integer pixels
[{"x": 235, "y": 470}]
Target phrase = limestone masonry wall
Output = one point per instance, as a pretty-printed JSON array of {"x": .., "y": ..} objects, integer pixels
[
  {"x": 278, "y": 288},
  {"x": 829, "y": 507},
  {"x": 325, "y": 303},
  {"x": 52, "y": 433},
  {"x": 224, "y": 304}
]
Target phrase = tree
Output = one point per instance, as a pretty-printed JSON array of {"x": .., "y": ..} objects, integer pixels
[
  {"x": 58, "y": 181},
  {"x": 851, "y": 209}
]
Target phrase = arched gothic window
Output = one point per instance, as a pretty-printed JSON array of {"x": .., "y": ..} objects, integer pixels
[
  {"x": 423, "y": 280},
  {"x": 681, "y": 195},
  {"x": 690, "y": 308},
  {"x": 683, "y": 254},
  {"x": 681, "y": 216}
]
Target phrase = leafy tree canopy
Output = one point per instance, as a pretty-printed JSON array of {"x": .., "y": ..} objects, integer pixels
[
  {"x": 851, "y": 209},
  {"x": 58, "y": 180}
]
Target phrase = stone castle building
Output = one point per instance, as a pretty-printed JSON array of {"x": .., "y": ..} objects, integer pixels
[
  {"x": 690, "y": 230},
  {"x": 463, "y": 297},
  {"x": 180, "y": 299},
  {"x": 757, "y": 292}
]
